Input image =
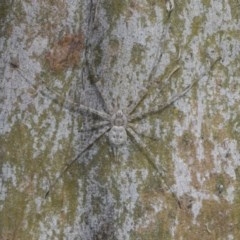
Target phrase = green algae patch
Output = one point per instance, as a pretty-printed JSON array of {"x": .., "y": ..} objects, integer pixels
[
  {"x": 18, "y": 156},
  {"x": 19, "y": 151},
  {"x": 5, "y": 7},
  {"x": 114, "y": 47},
  {"x": 137, "y": 54},
  {"x": 233, "y": 127},
  {"x": 234, "y": 8},
  {"x": 206, "y": 3},
  {"x": 209, "y": 227},
  {"x": 114, "y": 9},
  {"x": 186, "y": 146},
  {"x": 13, "y": 215},
  {"x": 16, "y": 146},
  {"x": 198, "y": 25},
  {"x": 98, "y": 55},
  {"x": 118, "y": 8},
  {"x": 155, "y": 216},
  {"x": 13, "y": 11},
  {"x": 235, "y": 215},
  {"x": 221, "y": 225}
]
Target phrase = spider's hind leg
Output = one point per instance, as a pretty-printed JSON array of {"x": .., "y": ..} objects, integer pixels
[
  {"x": 79, "y": 155},
  {"x": 146, "y": 134},
  {"x": 161, "y": 171},
  {"x": 151, "y": 158}
]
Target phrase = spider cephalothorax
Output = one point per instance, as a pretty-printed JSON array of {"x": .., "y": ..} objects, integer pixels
[
  {"x": 119, "y": 119},
  {"x": 117, "y": 134}
]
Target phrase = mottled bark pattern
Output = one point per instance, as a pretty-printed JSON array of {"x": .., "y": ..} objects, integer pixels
[{"x": 178, "y": 174}]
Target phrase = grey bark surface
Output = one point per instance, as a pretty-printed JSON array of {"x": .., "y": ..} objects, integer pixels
[{"x": 173, "y": 70}]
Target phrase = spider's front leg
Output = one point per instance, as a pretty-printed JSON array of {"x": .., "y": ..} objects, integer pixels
[
  {"x": 95, "y": 126},
  {"x": 144, "y": 93},
  {"x": 71, "y": 106},
  {"x": 161, "y": 107}
]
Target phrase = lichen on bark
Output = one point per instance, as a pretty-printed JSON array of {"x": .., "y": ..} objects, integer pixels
[{"x": 102, "y": 54}]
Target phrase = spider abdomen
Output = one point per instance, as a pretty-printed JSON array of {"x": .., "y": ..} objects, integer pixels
[{"x": 117, "y": 135}]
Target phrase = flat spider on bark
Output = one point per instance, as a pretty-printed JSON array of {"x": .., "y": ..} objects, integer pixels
[{"x": 118, "y": 124}]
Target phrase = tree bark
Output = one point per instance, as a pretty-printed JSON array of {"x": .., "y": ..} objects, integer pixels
[{"x": 67, "y": 67}]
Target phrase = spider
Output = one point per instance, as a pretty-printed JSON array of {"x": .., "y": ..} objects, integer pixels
[{"x": 118, "y": 125}]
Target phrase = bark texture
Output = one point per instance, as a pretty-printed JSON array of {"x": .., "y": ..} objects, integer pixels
[{"x": 111, "y": 55}]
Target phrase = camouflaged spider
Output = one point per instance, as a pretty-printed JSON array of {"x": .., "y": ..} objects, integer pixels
[{"x": 118, "y": 125}]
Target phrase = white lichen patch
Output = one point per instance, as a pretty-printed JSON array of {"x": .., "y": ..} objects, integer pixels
[{"x": 8, "y": 177}]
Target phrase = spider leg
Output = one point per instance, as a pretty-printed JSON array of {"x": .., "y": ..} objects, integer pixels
[
  {"x": 160, "y": 171},
  {"x": 146, "y": 150},
  {"x": 96, "y": 84},
  {"x": 73, "y": 107},
  {"x": 89, "y": 70},
  {"x": 82, "y": 108},
  {"x": 154, "y": 138},
  {"x": 152, "y": 79},
  {"x": 108, "y": 107},
  {"x": 94, "y": 126},
  {"x": 145, "y": 91},
  {"x": 175, "y": 97},
  {"x": 68, "y": 165},
  {"x": 142, "y": 97},
  {"x": 161, "y": 107}
]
